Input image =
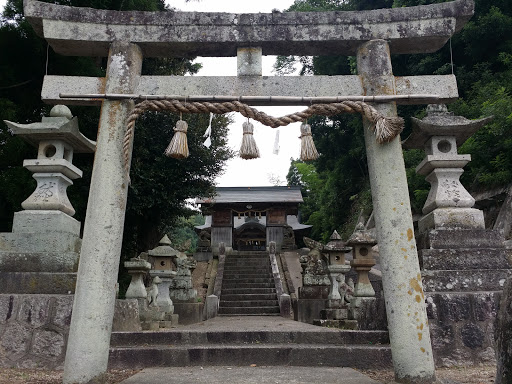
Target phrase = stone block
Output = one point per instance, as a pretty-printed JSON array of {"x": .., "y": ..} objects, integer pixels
[
  {"x": 32, "y": 221},
  {"x": 465, "y": 258},
  {"x": 472, "y": 336},
  {"x": 8, "y": 308},
  {"x": 465, "y": 281},
  {"x": 63, "y": 307},
  {"x": 126, "y": 316},
  {"x": 34, "y": 310},
  {"x": 39, "y": 261},
  {"x": 30, "y": 242},
  {"x": 212, "y": 306},
  {"x": 314, "y": 292},
  {"x": 15, "y": 341},
  {"x": 37, "y": 282},
  {"x": 189, "y": 313},
  {"x": 48, "y": 344},
  {"x": 285, "y": 306},
  {"x": 460, "y": 238},
  {"x": 333, "y": 314},
  {"x": 485, "y": 305},
  {"x": 249, "y": 61},
  {"x": 453, "y": 307},
  {"x": 203, "y": 256},
  {"x": 150, "y": 325},
  {"x": 340, "y": 324},
  {"x": 442, "y": 335},
  {"x": 309, "y": 309},
  {"x": 455, "y": 218}
]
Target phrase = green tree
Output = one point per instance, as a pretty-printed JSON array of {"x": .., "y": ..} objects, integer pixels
[
  {"x": 482, "y": 59},
  {"x": 160, "y": 185}
]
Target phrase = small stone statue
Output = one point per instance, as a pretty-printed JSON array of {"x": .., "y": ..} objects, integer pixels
[
  {"x": 346, "y": 290},
  {"x": 314, "y": 265},
  {"x": 153, "y": 292}
]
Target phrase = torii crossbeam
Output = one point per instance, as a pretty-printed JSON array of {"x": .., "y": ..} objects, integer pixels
[{"x": 125, "y": 37}]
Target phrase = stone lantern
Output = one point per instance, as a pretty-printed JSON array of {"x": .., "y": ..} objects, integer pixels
[
  {"x": 337, "y": 268},
  {"x": 41, "y": 253},
  {"x": 362, "y": 241},
  {"x": 137, "y": 268},
  {"x": 449, "y": 204},
  {"x": 57, "y": 137},
  {"x": 162, "y": 257},
  {"x": 336, "y": 314}
]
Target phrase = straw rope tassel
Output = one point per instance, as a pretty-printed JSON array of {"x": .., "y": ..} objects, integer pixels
[
  {"x": 249, "y": 149},
  {"x": 307, "y": 148},
  {"x": 178, "y": 147}
]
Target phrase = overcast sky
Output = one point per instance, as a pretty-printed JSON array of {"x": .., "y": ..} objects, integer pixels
[{"x": 254, "y": 172}]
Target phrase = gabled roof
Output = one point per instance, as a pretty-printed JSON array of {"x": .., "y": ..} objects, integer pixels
[{"x": 230, "y": 195}]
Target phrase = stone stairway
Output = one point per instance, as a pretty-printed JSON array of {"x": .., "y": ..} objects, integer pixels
[
  {"x": 248, "y": 287},
  {"x": 243, "y": 341}
]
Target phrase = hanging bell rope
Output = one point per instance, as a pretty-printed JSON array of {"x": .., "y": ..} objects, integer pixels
[
  {"x": 307, "y": 146},
  {"x": 178, "y": 147},
  {"x": 385, "y": 128},
  {"x": 248, "y": 149}
]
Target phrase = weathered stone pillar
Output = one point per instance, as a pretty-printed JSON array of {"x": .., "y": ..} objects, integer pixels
[
  {"x": 93, "y": 308},
  {"x": 407, "y": 320}
]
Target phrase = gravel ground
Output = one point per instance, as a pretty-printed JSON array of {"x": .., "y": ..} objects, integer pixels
[
  {"x": 457, "y": 375},
  {"x": 482, "y": 374}
]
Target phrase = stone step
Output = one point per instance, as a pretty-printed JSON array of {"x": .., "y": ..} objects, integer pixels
[
  {"x": 243, "y": 276},
  {"x": 263, "y": 255},
  {"x": 249, "y": 303},
  {"x": 248, "y": 268},
  {"x": 355, "y": 356},
  {"x": 460, "y": 238},
  {"x": 58, "y": 283},
  {"x": 247, "y": 264},
  {"x": 178, "y": 337},
  {"x": 247, "y": 280},
  {"x": 248, "y": 254},
  {"x": 252, "y": 273},
  {"x": 244, "y": 311},
  {"x": 248, "y": 296},
  {"x": 245, "y": 314},
  {"x": 247, "y": 291},
  {"x": 456, "y": 307},
  {"x": 465, "y": 280},
  {"x": 465, "y": 258},
  {"x": 238, "y": 284}
]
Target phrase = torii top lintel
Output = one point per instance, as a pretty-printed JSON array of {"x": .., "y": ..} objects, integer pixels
[{"x": 89, "y": 32}]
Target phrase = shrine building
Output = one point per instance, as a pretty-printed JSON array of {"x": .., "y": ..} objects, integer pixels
[{"x": 248, "y": 218}]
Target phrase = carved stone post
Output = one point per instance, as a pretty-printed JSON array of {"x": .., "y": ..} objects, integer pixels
[
  {"x": 405, "y": 308},
  {"x": 89, "y": 335},
  {"x": 449, "y": 204}
]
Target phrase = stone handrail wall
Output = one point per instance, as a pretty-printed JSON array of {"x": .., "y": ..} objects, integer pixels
[{"x": 284, "y": 298}]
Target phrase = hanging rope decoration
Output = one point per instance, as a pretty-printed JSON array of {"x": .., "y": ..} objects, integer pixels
[
  {"x": 307, "y": 146},
  {"x": 248, "y": 149},
  {"x": 385, "y": 128},
  {"x": 178, "y": 147}
]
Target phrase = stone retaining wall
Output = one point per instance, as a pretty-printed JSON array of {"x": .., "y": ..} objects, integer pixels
[{"x": 34, "y": 328}]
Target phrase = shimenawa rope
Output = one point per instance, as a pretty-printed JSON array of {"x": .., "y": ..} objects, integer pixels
[{"x": 385, "y": 128}]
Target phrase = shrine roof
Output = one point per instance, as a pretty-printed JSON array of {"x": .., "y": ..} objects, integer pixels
[{"x": 233, "y": 195}]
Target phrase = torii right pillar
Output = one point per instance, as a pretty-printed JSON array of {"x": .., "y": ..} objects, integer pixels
[{"x": 403, "y": 291}]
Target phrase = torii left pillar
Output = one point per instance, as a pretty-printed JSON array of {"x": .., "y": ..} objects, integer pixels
[{"x": 93, "y": 307}]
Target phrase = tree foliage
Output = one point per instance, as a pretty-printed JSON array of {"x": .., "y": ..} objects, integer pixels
[
  {"x": 159, "y": 187},
  {"x": 482, "y": 62}
]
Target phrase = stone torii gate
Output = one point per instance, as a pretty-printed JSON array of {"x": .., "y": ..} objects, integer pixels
[{"x": 127, "y": 37}]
